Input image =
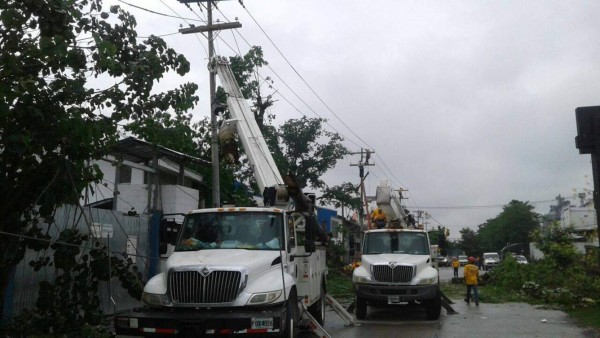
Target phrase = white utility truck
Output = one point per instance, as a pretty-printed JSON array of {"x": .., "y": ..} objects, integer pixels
[
  {"x": 239, "y": 270},
  {"x": 397, "y": 263}
]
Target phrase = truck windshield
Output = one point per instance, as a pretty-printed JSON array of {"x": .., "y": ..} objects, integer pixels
[
  {"x": 231, "y": 230},
  {"x": 414, "y": 243}
]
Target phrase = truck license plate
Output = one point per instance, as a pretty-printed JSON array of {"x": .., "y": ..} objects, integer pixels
[
  {"x": 262, "y": 323},
  {"x": 393, "y": 299}
]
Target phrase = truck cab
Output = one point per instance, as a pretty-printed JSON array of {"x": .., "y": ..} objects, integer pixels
[{"x": 397, "y": 268}]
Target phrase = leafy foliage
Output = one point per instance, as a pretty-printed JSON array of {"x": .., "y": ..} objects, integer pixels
[
  {"x": 309, "y": 150},
  {"x": 438, "y": 237},
  {"x": 513, "y": 225},
  {"x": 300, "y": 146},
  {"x": 56, "y": 115},
  {"x": 344, "y": 196},
  {"x": 561, "y": 277},
  {"x": 555, "y": 242},
  {"x": 468, "y": 241},
  {"x": 71, "y": 302}
]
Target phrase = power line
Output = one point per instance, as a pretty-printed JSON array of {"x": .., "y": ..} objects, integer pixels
[
  {"x": 466, "y": 207},
  {"x": 158, "y": 13},
  {"x": 284, "y": 82},
  {"x": 391, "y": 174},
  {"x": 305, "y": 82}
]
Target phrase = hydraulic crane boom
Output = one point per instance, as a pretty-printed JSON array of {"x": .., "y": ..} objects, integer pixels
[
  {"x": 390, "y": 204},
  {"x": 259, "y": 156}
]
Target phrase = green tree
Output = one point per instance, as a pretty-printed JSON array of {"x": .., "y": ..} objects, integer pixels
[
  {"x": 245, "y": 69},
  {"x": 309, "y": 150},
  {"x": 300, "y": 146},
  {"x": 55, "y": 115},
  {"x": 438, "y": 237},
  {"x": 468, "y": 241},
  {"x": 556, "y": 244},
  {"x": 513, "y": 225},
  {"x": 343, "y": 196}
]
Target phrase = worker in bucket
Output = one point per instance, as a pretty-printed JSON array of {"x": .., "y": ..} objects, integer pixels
[{"x": 379, "y": 219}]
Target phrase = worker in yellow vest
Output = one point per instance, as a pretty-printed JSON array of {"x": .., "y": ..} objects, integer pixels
[
  {"x": 378, "y": 218},
  {"x": 471, "y": 272},
  {"x": 455, "y": 265}
]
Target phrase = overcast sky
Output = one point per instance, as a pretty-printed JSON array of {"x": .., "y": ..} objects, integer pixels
[{"x": 468, "y": 104}]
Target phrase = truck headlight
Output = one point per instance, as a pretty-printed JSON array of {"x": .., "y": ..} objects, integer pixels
[
  {"x": 361, "y": 279},
  {"x": 264, "y": 297},
  {"x": 153, "y": 299},
  {"x": 427, "y": 281}
]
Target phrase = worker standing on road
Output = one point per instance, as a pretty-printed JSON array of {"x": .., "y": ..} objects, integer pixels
[
  {"x": 455, "y": 265},
  {"x": 471, "y": 272}
]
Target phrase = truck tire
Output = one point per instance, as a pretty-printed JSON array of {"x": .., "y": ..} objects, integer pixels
[
  {"x": 317, "y": 310},
  {"x": 361, "y": 308},
  {"x": 291, "y": 316},
  {"x": 433, "y": 307}
]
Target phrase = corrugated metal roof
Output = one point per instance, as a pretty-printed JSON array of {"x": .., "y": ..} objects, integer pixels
[{"x": 138, "y": 151}]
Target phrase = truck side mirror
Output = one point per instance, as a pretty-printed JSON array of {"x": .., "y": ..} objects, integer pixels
[
  {"x": 309, "y": 233},
  {"x": 162, "y": 247}
]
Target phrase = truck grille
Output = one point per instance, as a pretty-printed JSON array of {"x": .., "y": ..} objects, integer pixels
[
  {"x": 193, "y": 287},
  {"x": 397, "y": 274}
]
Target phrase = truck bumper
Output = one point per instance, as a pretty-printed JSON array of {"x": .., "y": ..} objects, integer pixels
[
  {"x": 405, "y": 293},
  {"x": 193, "y": 323}
]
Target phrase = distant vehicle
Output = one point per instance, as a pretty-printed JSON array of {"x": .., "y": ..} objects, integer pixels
[
  {"x": 443, "y": 261},
  {"x": 521, "y": 259},
  {"x": 490, "y": 260},
  {"x": 463, "y": 260}
]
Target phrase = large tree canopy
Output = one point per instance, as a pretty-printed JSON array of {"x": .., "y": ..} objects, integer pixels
[
  {"x": 70, "y": 72},
  {"x": 513, "y": 225}
]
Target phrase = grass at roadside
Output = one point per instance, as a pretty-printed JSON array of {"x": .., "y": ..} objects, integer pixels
[
  {"x": 589, "y": 316},
  {"x": 487, "y": 294},
  {"x": 339, "y": 285}
]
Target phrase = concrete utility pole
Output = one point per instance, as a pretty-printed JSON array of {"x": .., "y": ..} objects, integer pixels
[
  {"x": 588, "y": 142},
  {"x": 213, "y": 117},
  {"x": 365, "y": 156}
]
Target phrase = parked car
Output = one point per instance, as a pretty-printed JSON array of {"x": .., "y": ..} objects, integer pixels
[
  {"x": 490, "y": 260},
  {"x": 443, "y": 261},
  {"x": 463, "y": 260},
  {"x": 521, "y": 259}
]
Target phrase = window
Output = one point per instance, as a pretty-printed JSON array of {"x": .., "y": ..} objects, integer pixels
[{"x": 124, "y": 174}]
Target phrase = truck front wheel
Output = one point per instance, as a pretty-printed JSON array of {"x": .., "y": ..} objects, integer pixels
[
  {"x": 433, "y": 307},
  {"x": 291, "y": 316},
  {"x": 361, "y": 308}
]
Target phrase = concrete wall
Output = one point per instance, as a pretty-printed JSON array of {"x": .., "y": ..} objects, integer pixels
[
  {"x": 579, "y": 218},
  {"x": 178, "y": 199}
]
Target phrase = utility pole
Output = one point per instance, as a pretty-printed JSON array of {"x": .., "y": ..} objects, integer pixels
[
  {"x": 365, "y": 156},
  {"x": 216, "y": 190},
  {"x": 588, "y": 142}
]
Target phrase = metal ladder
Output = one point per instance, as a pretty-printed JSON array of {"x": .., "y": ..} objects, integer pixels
[{"x": 313, "y": 324}]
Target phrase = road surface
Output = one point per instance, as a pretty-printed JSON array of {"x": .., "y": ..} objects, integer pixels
[{"x": 487, "y": 320}]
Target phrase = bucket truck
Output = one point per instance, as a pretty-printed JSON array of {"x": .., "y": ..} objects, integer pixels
[
  {"x": 397, "y": 263},
  {"x": 239, "y": 270}
]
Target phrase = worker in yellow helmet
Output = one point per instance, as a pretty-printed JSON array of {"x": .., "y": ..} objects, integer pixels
[
  {"x": 471, "y": 275},
  {"x": 378, "y": 218}
]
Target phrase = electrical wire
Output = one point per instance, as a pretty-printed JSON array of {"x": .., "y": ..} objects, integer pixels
[{"x": 159, "y": 13}]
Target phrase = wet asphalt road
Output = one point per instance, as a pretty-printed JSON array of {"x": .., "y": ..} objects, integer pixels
[{"x": 487, "y": 320}]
